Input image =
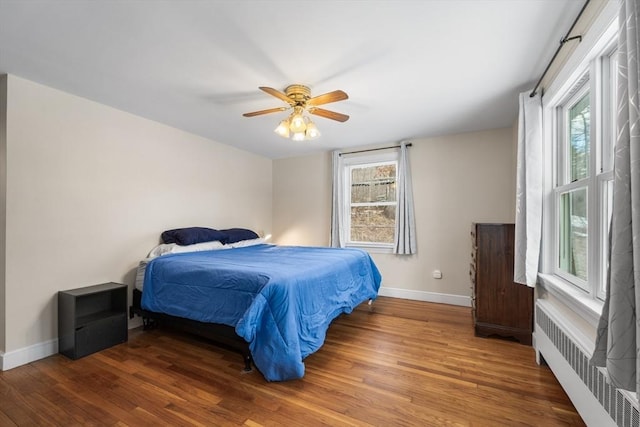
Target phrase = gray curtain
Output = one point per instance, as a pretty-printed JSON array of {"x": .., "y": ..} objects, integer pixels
[
  {"x": 337, "y": 240},
  {"x": 529, "y": 189},
  {"x": 618, "y": 337},
  {"x": 405, "y": 241}
]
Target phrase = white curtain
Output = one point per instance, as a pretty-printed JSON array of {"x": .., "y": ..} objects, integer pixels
[
  {"x": 529, "y": 181},
  {"x": 618, "y": 337},
  {"x": 337, "y": 240},
  {"x": 405, "y": 241}
]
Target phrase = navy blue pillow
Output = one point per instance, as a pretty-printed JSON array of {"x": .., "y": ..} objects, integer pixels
[
  {"x": 193, "y": 235},
  {"x": 238, "y": 234}
]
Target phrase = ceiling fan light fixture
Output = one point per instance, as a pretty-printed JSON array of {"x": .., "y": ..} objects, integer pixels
[
  {"x": 283, "y": 129},
  {"x": 312, "y": 131},
  {"x": 297, "y": 122},
  {"x": 298, "y": 136}
]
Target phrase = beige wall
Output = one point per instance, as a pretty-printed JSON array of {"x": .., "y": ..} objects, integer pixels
[
  {"x": 457, "y": 180},
  {"x": 90, "y": 188},
  {"x": 302, "y": 200},
  {"x": 3, "y": 205}
]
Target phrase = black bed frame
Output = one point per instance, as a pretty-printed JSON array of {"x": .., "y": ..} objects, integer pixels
[{"x": 222, "y": 335}]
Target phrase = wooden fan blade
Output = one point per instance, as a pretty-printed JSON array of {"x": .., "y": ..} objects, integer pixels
[
  {"x": 336, "y": 95},
  {"x": 273, "y": 92},
  {"x": 270, "y": 110},
  {"x": 329, "y": 114}
]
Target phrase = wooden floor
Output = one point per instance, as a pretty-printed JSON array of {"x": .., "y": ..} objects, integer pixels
[{"x": 407, "y": 363}]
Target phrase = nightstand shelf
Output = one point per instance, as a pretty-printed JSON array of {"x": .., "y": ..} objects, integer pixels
[{"x": 91, "y": 319}]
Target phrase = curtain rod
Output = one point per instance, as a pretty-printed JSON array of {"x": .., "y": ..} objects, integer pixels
[
  {"x": 562, "y": 42},
  {"x": 375, "y": 149}
]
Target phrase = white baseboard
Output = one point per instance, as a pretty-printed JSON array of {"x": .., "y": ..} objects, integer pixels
[
  {"x": 460, "y": 300},
  {"x": 13, "y": 359},
  {"x": 22, "y": 356}
]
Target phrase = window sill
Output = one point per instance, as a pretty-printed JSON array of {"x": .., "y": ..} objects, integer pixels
[
  {"x": 372, "y": 248},
  {"x": 587, "y": 307}
]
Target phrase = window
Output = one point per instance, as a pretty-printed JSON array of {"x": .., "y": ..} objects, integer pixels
[
  {"x": 370, "y": 199},
  {"x": 583, "y": 121},
  {"x": 574, "y": 146},
  {"x": 572, "y": 241}
]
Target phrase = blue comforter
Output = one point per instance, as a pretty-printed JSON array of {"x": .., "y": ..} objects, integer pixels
[{"x": 280, "y": 299}]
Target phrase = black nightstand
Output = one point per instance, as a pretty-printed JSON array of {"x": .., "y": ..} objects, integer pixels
[{"x": 91, "y": 319}]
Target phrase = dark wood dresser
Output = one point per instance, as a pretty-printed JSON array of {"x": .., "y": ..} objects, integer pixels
[{"x": 500, "y": 306}]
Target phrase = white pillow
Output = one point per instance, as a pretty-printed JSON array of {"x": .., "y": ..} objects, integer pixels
[
  {"x": 173, "y": 248},
  {"x": 162, "y": 249},
  {"x": 248, "y": 242}
]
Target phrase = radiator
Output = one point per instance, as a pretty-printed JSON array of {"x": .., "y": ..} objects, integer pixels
[{"x": 557, "y": 346}]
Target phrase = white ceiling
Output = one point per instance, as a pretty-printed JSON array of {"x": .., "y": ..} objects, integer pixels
[{"x": 411, "y": 68}]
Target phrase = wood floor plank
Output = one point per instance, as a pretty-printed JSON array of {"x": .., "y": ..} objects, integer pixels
[{"x": 405, "y": 363}]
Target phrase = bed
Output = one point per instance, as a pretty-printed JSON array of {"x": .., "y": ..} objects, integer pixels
[{"x": 277, "y": 300}]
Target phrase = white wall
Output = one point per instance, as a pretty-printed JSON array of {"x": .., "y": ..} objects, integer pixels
[
  {"x": 457, "y": 180},
  {"x": 90, "y": 188}
]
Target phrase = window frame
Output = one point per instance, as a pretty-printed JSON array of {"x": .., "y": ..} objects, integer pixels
[
  {"x": 593, "y": 57},
  {"x": 359, "y": 160},
  {"x": 571, "y": 100},
  {"x": 562, "y": 170}
]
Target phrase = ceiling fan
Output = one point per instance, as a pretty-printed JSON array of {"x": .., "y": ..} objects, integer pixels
[{"x": 299, "y": 126}]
